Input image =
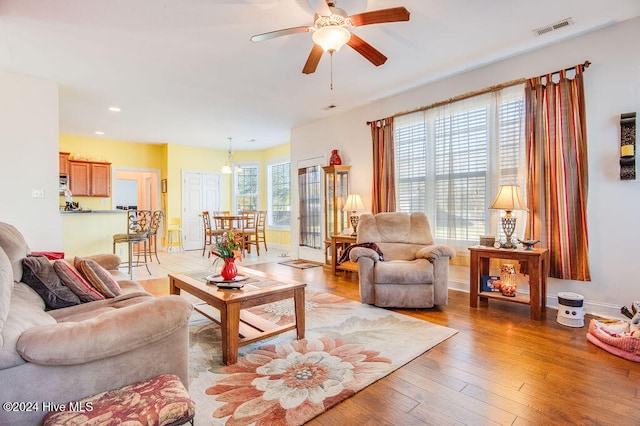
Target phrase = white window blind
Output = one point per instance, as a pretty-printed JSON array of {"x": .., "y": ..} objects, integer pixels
[{"x": 451, "y": 160}]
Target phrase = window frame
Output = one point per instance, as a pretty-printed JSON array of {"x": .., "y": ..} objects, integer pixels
[
  {"x": 270, "y": 210},
  {"x": 243, "y": 166},
  {"x": 419, "y": 128}
]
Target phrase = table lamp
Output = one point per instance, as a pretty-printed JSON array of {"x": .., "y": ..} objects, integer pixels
[
  {"x": 508, "y": 199},
  {"x": 352, "y": 205}
]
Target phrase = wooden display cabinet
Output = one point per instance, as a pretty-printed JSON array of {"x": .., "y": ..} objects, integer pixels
[
  {"x": 89, "y": 179},
  {"x": 336, "y": 189}
]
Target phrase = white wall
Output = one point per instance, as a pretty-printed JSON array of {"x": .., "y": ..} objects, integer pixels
[
  {"x": 29, "y": 160},
  {"x": 612, "y": 86}
]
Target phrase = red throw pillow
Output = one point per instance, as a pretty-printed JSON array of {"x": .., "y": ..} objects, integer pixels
[
  {"x": 72, "y": 279},
  {"x": 98, "y": 277}
]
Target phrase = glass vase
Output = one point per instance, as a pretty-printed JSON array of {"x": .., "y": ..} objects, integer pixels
[{"x": 335, "y": 159}]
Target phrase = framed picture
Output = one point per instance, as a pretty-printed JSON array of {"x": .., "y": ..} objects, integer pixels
[
  {"x": 163, "y": 186},
  {"x": 490, "y": 283}
]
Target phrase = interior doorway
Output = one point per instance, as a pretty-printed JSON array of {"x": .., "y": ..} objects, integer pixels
[
  {"x": 136, "y": 188},
  {"x": 200, "y": 192}
]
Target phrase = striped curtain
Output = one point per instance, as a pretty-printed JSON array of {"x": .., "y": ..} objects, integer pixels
[
  {"x": 557, "y": 174},
  {"x": 384, "y": 187}
]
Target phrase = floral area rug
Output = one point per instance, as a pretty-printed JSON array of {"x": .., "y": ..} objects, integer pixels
[{"x": 284, "y": 381}]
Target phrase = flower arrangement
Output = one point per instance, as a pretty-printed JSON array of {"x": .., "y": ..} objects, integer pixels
[{"x": 229, "y": 246}]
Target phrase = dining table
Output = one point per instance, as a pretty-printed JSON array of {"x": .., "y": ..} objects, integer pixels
[{"x": 229, "y": 222}]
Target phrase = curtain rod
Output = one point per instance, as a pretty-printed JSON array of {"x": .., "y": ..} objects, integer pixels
[{"x": 489, "y": 89}]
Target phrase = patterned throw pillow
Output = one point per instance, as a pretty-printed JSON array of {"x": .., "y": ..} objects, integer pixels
[
  {"x": 38, "y": 273},
  {"x": 72, "y": 279},
  {"x": 98, "y": 277}
]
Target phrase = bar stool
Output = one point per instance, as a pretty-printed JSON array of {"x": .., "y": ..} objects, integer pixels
[
  {"x": 174, "y": 234},
  {"x": 152, "y": 249},
  {"x": 138, "y": 225}
]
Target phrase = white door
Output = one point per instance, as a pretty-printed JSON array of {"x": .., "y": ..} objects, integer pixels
[
  {"x": 200, "y": 192},
  {"x": 310, "y": 209}
]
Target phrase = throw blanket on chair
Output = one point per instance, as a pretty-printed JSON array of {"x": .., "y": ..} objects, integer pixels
[{"x": 372, "y": 246}]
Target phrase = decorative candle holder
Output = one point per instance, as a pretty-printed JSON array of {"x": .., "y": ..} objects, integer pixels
[{"x": 508, "y": 282}]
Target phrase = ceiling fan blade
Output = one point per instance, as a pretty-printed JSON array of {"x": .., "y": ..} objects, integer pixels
[
  {"x": 394, "y": 14},
  {"x": 320, "y": 7},
  {"x": 372, "y": 54},
  {"x": 313, "y": 60},
  {"x": 278, "y": 33}
]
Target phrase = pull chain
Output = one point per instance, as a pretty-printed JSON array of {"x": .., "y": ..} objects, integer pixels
[{"x": 331, "y": 84}]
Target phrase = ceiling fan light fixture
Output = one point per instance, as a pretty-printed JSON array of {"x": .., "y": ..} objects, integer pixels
[{"x": 331, "y": 38}]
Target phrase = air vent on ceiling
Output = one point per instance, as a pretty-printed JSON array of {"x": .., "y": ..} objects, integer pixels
[{"x": 553, "y": 27}]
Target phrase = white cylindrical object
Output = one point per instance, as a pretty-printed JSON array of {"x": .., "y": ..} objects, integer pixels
[{"x": 570, "y": 309}]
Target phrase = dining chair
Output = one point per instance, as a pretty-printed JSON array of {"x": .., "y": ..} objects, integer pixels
[
  {"x": 250, "y": 230},
  {"x": 211, "y": 233},
  {"x": 261, "y": 229}
]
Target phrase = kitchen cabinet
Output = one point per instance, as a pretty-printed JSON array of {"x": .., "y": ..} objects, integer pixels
[
  {"x": 89, "y": 179},
  {"x": 63, "y": 158}
]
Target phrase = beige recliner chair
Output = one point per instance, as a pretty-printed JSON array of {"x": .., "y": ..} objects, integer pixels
[{"x": 414, "y": 271}]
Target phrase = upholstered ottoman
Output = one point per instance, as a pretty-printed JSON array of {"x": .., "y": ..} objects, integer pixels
[{"x": 159, "y": 401}]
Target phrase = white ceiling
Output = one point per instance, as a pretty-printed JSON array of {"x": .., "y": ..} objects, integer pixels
[{"x": 185, "y": 71}]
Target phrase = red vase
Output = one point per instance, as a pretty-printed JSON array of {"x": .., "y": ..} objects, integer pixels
[
  {"x": 229, "y": 270},
  {"x": 335, "y": 159}
]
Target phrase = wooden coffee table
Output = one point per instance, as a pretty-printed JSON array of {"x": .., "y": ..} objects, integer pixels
[{"x": 227, "y": 308}]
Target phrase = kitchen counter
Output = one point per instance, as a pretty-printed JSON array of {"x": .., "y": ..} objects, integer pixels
[
  {"x": 91, "y": 211},
  {"x": 87, "y": 232}
]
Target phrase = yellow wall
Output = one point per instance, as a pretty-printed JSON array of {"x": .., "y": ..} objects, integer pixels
[
  {"x": 171, "y": 160},
  {"x": 264, "y": 156},
  {"x": 179, "y": 158},
  {"x": 118, "y": 153}
]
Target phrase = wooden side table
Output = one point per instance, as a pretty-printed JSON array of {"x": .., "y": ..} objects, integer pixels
[
  {"x": 339, "y": 243},
  {"x": 537, "y": 261}
]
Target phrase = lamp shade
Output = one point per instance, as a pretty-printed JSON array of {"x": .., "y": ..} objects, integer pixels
[
  {"x": 509, "y": 198},
  {"x": 331, "y": 38},
  {"x": 353, "y": 203}
]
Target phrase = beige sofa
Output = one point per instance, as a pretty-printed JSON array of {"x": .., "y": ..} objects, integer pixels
[
  {"x": 414, "y": 272},
  {"x": 61, "y": 355}
]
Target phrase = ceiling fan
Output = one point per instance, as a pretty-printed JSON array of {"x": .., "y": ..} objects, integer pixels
[{"x": 331, "y": 30}]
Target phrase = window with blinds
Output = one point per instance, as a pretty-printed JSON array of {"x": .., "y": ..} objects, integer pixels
[
  {"x": 451, "y": 160},
  {"x": 279, "y": 199},
  {"x": 246, "y": 188}
]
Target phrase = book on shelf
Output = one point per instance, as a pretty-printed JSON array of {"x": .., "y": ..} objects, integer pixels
[{"x": 490, "y": 283}]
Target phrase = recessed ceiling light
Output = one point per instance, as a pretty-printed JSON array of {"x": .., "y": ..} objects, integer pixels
[
  {"x": 98, "y": 132},
  {"x": 114, "y": 109}
]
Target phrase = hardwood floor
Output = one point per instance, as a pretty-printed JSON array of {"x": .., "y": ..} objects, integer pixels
[{"x": 501, "y": 368}]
